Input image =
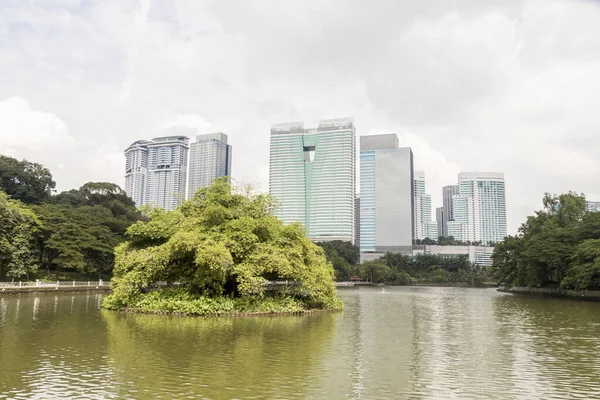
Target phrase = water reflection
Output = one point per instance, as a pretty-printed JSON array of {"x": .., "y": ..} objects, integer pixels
[
  {"x": 245, "y": 357},
  {"x": 425, "y": 343}
]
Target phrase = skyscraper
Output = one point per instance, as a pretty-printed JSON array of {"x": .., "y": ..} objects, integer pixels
[
  {"x": 136, "y": 171},
  {"x": 439, "y": 219},
  {"x": 447, "y": 193},
  {"x": 357, "y": 220},
  {"x": 479, "y": 208},
  {"x": 424, "y": 227},
  {"x": 386, "y": 196},
  {"x": 312, "y": 173},
  {"x": 167, "y": 171},
  {"x": 210, "y": 158}
]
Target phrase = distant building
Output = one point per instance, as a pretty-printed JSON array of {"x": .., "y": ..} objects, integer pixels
[
  {"x": 479, "y": 208},
  {"x": 167, "y": 171},
  {"x": 439, "y": 219},
  {"x": 210, "y": 158},
  {"x": 480, "y": 255},
  {"x": 593, "y": 206},
  {"x": 357, "y": 220},
  {"x": 447, "y": 193},
  {"x": 136, "y": 171},
  {"x": 386, "y": 196},
  {"x": 312, "y": 173},
  {"x": 423, "y": 227}
]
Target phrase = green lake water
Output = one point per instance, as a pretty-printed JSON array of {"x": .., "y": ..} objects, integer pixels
[{"x": 413, "y": 343}]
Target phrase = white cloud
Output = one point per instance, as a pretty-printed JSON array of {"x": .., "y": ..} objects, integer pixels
[{"x": 470, "y": 85}]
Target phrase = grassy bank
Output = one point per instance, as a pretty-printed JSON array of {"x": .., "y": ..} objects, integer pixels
[{"x": 179, "y": 301}]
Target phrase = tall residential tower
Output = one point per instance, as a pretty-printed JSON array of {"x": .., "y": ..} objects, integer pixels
[
  {"x": 479, "y": 208},
  {"x": 210, "y": 158},
  {"x": 386, "y": 196},
  {"x": 167, "y": 171},
  {"x": 136, "y": 171},
  {"x": 312, "y": 173},
  {"x": 424, "y": 227}
]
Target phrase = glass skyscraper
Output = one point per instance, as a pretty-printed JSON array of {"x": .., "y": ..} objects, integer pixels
[
  {"x": 210, "y": 158},
  {"x": 386, "y": 196},
  {"x": 136, "y": 171},
  {"x": 312, "y": 174},
  {"x": 424, "y": 227}
]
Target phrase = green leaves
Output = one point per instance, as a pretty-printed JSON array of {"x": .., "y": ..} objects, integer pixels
[
  {"x": 558, "y": 246},
  {"x": 221, "y": 243}
]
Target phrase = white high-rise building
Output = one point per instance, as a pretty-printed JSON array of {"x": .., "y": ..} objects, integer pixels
[
  {"x": 386, "y": 197},
  {"x": 136, "y": 171},
  {"x": 479, "y": 208},
  {"x": 312, "y": 173},
  {"x": 424, "y": 227},
  {"x": 167, "y": 171},
  {"x": 447, "y": 194},
  {"x": 210, "y": 158}
]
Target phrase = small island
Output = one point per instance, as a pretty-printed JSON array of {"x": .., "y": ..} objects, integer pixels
[{"x": 219, "y": 250}]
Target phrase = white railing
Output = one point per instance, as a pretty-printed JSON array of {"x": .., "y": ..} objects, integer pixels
[{"x": 54, "y": 284}]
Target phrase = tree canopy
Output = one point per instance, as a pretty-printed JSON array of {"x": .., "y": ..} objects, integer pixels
[
  {"x": 221, "y": 243},
  {"x": 28, "y": 182},
  {"x": 558, "y": 246}
]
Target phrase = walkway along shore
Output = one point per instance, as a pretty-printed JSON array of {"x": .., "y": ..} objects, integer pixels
[
  {"x": 61, "y": 286},
  {"x": 551, "y": 292}
]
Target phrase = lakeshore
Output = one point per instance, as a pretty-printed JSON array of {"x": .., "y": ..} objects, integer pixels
[{"x": 585, "y": 295}]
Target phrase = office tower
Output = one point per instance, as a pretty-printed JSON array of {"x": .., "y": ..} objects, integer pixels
[
  {"x": 312, "y": 173},
  {"x": 479, "y": 208},
  {"x": 439, "y": 219},
  {"x": 167, "y": 171},
  {"x": 210, "y": 158},
  {"x": 357, "y": 220},
  {"x": 447, "y": 193},
  {"x": 136, "y": 171},
  {"x": 592, "y": 206},
  {"x": 386, "y": 196},
  {"x": 424, "y": 227}
]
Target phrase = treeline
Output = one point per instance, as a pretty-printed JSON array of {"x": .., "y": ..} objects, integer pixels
[
  {"x": 43, "y": 233},
  {"x": 449, "y": 241},
  {"x": 559, "y": 246},
  {"x": 402, "y": 269}
]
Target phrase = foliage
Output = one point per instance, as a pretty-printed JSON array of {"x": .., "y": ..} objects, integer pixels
[
  {"x": 17, "y": 246},
  {"x": 558, "y": 246},
  {"x": 221, "y": 243},
  {"x": 449, "y": 241},
  {"x": 28, "y": 182},
  {"x": 344, "y": 256}
]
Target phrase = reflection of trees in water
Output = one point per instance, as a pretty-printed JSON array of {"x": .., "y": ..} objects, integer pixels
[
  {"x": 49, "y": 340},
  {"x": 264, "y": 356},
  {"x": 555, "y": 342}
]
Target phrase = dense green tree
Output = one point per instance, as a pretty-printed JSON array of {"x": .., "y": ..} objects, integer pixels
[
  {"x": 221, "y": 242},
  {"x": 554, "y": 247},
  {"x": 28, "y": 182},
  {"x": 344, "y": 256},
  {"x": 17, "y": 246}
]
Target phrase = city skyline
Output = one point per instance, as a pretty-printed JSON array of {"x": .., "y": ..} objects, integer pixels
[{"x": 506, "y": 86}]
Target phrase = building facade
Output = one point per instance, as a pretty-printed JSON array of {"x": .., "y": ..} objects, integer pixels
[
  {"x": 479, "y": 208},
  {"x": 480, "y": 255},
  {"x": 423, "y": 227},
  {"x": 312, "y": 173},
  {"x": 386, "y": 196},
  {"x": 136, "y": 171},
  {"x": 210, "y": 158},
  {"x": 357, "y": 220},
  {"x": 439, "y": 220},
  {"x": 167, "y": 171},
  {"x": 447, "y": 194}
]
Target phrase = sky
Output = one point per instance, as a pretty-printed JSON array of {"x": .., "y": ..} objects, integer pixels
[{"x": 510, "y": 86}]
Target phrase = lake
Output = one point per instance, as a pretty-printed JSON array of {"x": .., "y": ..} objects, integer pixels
[{"x": 410, "y": 342}]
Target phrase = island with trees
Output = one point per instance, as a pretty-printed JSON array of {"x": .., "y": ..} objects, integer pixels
[{"x": 220, "y": 249}]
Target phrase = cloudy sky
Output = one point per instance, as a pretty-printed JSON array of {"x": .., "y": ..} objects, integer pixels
[{"x": 510, "y": 86}]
